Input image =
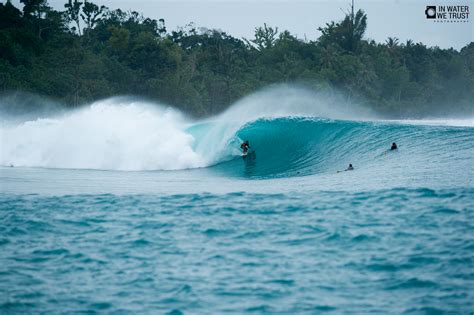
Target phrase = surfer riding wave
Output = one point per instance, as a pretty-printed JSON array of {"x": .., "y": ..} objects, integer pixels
[{"x": 245, "y": 147}]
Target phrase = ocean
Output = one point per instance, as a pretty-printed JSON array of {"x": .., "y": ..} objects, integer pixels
[{"x": 126, "y": 207}]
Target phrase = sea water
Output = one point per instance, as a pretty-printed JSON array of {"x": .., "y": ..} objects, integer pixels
[{"x": 127, "y": 207}]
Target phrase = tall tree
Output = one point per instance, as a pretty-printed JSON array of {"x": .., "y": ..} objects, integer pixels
[
  {"x": 33, "y": 7},
  {"x": 73, "y": 11},
  {"x": 91, "y": 14},
  {"x": 347, "y": 34},
  {"x": 265, "y": 37}
]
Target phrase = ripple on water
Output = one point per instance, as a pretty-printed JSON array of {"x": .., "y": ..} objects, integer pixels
[
  {"x": 412, "y": 283},
  {"x": 402, "y": 251}
]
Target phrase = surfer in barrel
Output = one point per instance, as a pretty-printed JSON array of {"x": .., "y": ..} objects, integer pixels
[
  {"x": 247, "y": 153},
  {"x": 245, "y": 147}
]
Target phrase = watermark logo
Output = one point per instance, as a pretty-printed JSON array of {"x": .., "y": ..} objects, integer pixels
[
  {"x": 447, "y": 13},
  {"x": 430, "y": 12}
]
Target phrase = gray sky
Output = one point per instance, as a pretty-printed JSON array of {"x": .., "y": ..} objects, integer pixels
[{"x": 404, "y": 19}]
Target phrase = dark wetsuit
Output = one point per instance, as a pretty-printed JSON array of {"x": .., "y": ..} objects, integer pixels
[
  {"x": 245, "y": 147},
  {"x": 394, "y": 147}
]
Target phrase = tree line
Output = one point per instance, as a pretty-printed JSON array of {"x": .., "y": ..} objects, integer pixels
[{"x": 88, "y": 52}]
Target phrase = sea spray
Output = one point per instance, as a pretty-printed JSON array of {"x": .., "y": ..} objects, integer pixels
[{"x": 105, "y": 135}]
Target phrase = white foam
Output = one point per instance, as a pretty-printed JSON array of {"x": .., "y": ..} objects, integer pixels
[
  {"x": 468, "y": 122},
  {"x": 110, "y": 134}
]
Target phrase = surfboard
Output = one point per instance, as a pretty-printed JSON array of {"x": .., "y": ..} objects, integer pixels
[{"x": 248, "y": 155}]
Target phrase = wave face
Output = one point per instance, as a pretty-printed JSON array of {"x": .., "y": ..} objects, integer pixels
[
  {"x": 298, "y": 146},
  {"x": 290, "y": 139}
]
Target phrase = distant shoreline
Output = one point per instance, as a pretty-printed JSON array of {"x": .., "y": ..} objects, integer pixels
[{"x": 76, "y": 60}]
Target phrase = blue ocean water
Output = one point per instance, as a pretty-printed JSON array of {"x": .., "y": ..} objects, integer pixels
[
  {"x": 98, "y": 225},
  {"x": 391, "y": 251}
]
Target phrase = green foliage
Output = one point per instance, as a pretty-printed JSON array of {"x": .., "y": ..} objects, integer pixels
[
  {"x": 91, "y": 14},
  {"x": 265, "y": 37},
  {"x": 73, "y": 14},
  {"x": 88, "y": 52},
  {"x": 347, "y": 34},
  {"x": 33, "y": 7}
]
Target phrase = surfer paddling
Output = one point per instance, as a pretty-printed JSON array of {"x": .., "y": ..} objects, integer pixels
[
  {"x": 349, "y": 168},
  {"x": 392, "y": 148}
]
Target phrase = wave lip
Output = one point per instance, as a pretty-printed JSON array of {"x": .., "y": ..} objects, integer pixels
[{"x": 451, "y": 122}]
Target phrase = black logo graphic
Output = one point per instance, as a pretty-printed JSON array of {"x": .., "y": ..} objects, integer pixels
[{"x": 430, "y": 12}]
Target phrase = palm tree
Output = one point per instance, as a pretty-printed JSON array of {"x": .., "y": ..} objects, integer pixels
[{"x": 392, "y": 42}]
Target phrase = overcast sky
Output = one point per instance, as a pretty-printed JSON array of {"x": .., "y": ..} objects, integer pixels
[{"x": 404, "y": 19}]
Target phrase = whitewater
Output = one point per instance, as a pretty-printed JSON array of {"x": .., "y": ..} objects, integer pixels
[{"x": 130, "y": 206}]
